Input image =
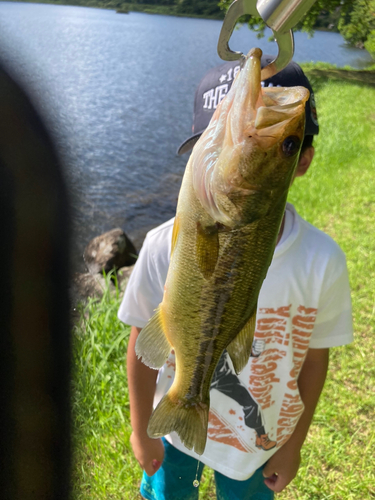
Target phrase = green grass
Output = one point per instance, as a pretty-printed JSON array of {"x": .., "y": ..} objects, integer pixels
[
  {"x": 338, "y": 196},
  {"x": 103, "y": 462}
]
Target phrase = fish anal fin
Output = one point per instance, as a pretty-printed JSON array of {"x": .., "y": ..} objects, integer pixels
[
  {"x": 207, "y": 249},
  {"x": 188, "y": 419},
  {"x": 152, "y": 344},
  {"x": 239, "y": 349}
]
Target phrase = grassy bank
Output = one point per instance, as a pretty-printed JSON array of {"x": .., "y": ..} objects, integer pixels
[
  {"x": 124, "y": 7},
  {"x": 338, "y": 196}
]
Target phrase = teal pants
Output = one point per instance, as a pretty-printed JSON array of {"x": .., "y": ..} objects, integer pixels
[{"x": 174, "y": 481}]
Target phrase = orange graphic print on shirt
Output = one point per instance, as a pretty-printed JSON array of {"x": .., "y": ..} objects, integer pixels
[
  {"x": 278, "y": 336},
  {"x": 221, "y": 431},
  {"x": 292, "y": 407},
  {"x": 271, "y": 329}
]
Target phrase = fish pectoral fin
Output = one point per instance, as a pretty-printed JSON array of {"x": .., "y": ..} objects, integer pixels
[
  {"x": 188, "y": 419},
  {"x": 239, "y": 349},
  {"x": 207, "y": 249},
  {"x": 152, "y": 344}
]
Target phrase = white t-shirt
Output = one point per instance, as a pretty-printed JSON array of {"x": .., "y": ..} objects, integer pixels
[{"x": 304, "y": 303}]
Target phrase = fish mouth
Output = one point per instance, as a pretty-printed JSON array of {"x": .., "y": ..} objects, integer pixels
[
  {"x": 268, "y": 110},
  {"x": 248, "y": 124}
]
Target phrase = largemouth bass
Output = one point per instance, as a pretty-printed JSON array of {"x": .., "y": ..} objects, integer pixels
[{"x": 230, "y": 208}]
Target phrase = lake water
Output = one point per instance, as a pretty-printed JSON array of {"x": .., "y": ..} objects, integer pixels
[{"x": 118, "y": 91}]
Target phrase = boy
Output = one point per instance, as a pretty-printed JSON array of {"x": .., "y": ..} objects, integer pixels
[{"x": 259, "y": 418}]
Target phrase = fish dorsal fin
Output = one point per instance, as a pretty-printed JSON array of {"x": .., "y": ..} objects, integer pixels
[
  {"x": 152, "y": 344},
  {"x": 176, "y": 230},
  {"x": 207, "y": 249},
  {"x": 239, "y": 349}
]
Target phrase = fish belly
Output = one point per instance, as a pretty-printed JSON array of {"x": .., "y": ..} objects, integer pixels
[{"x": 206, "y": 313}]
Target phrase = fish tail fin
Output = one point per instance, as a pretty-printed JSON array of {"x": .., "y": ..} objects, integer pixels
[{"x": 188, "y": 419}]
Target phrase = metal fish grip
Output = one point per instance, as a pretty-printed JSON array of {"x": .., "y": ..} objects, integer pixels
[{"x": 279, "y": 15}]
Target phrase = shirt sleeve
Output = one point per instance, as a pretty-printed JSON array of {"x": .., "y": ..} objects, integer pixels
[
  {"x": 144, "y": 290},
  {"x": 334, "y": 325}
]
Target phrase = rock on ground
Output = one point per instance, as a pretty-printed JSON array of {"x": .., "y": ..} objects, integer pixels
[{"x": 111, "y": 250}]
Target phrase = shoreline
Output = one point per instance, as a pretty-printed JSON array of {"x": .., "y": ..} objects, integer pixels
[
  {"x": 124, "y": 8},
  {"x": 163, "y": 10}
]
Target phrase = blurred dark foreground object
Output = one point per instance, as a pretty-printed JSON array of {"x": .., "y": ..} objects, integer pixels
[{"x": 34, "y": 306}]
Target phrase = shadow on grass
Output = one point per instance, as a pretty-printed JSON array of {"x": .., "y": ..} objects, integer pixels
[{"x": 319, "y": 77}]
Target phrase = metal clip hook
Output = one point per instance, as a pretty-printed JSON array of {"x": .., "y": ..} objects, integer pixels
[{"x": 283, "y": 35}]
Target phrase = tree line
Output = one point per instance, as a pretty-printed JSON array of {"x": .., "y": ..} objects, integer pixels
[
  {"x": 209, "y": 8},
  {"x": 354, "y": 19}
]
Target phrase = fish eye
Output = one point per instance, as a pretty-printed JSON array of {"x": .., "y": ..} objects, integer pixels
[{"x": 291, "y": 145}]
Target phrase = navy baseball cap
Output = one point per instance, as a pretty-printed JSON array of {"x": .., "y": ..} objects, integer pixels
[{"x": 215, "y": 85}]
